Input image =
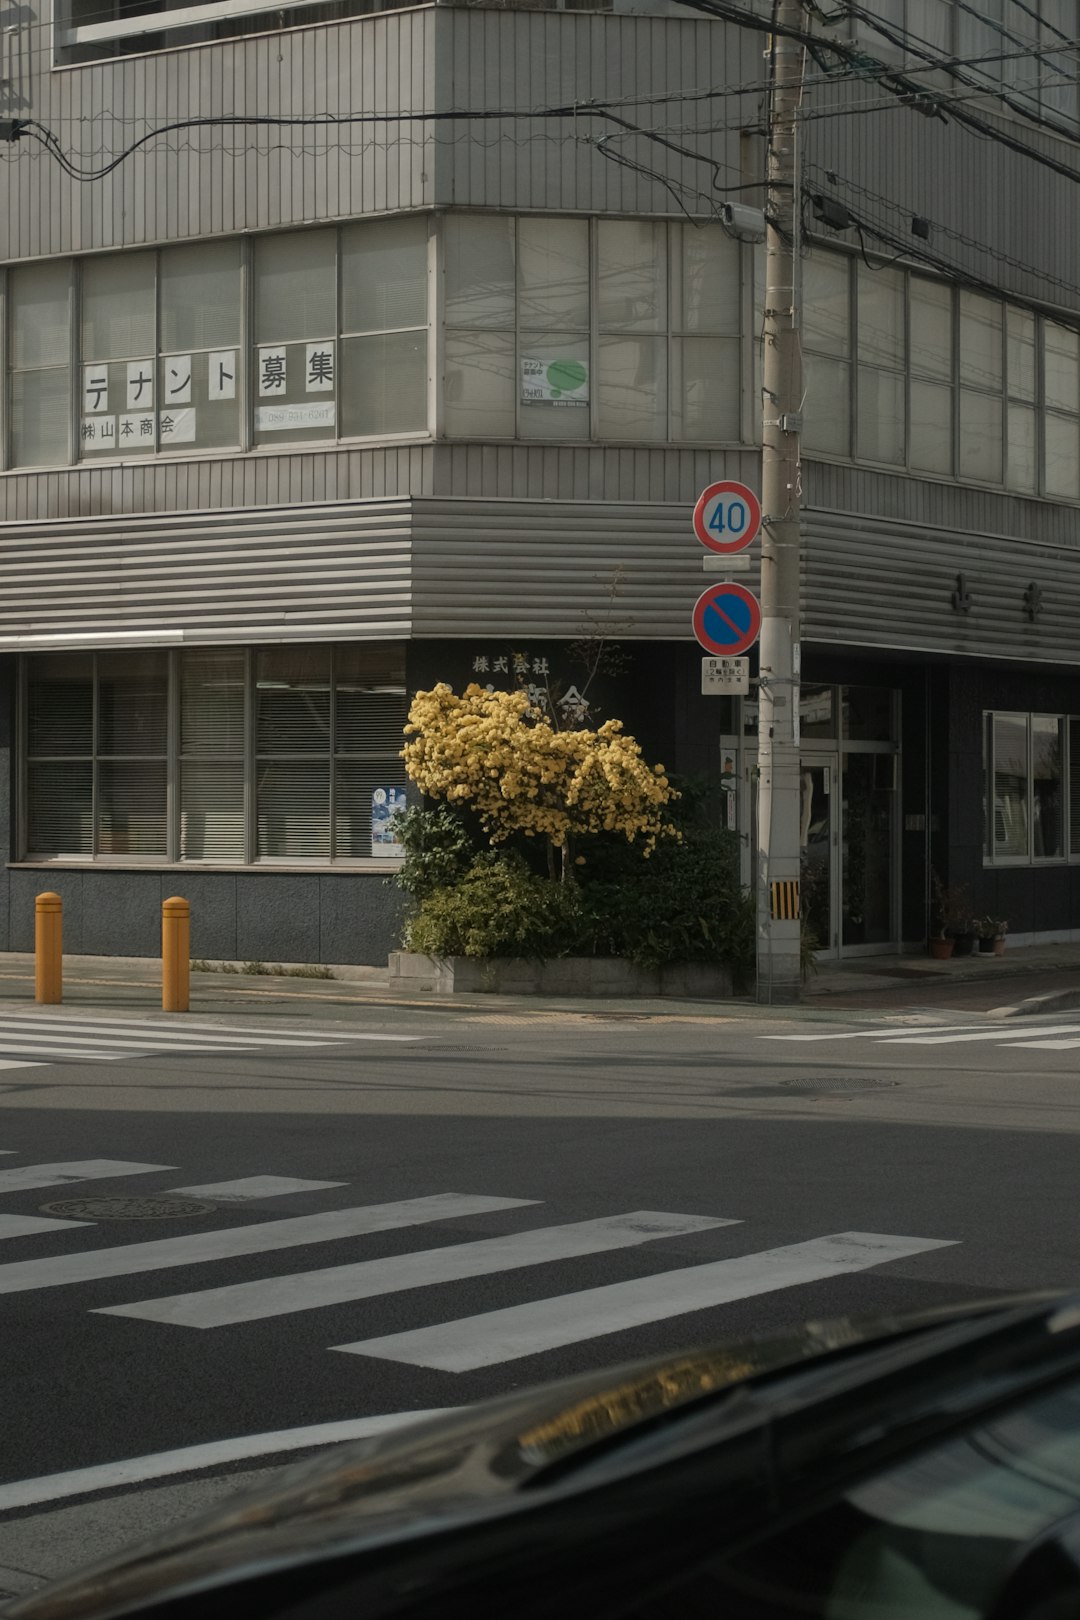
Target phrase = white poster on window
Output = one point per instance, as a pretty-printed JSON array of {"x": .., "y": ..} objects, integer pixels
[
  {"x": 176, "y": 388},
  {"x": 554, "y": 382},
  {"x": 221, "y": 375},
  {"x": 135, "y": 431},
  {"x": 99, "y": 433},
  {"x": 386, "y": 804},
  {"x": 95, "y": 388},
  {"x": 176, "y": 427},
  {"x": 279, "y": 418},
  {"x": 319, "y": 377},
  {"x": 272, "y": 372},
  {"x": 140, "y": 385}
]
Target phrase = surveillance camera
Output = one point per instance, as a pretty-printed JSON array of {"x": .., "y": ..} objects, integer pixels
[{"x": 748, "y": 224}]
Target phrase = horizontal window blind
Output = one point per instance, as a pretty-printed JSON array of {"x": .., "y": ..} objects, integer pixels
[
  {"x": 212, "y": 810},
  {"x": 131, "y": 807},
  {"x": 60, "y": 807},
  {"x": 293, "y": 800}
]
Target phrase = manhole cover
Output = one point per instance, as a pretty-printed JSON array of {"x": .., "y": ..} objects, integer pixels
[
  {"x": 128, "y": 1209},
  {"x": 837, "y": 1084}
]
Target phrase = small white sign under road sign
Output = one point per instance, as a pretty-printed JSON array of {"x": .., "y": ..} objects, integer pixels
[{"x": 727, "y": 677}]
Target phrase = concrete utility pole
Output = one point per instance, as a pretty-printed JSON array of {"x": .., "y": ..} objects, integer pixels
[{"x": 779, "y": 780}]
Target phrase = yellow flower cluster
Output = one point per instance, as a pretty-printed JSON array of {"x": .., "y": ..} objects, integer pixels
[{"x": 492, "y": 752}]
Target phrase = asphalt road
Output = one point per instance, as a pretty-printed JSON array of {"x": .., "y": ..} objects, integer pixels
[{"x": 924, "y": 1155}]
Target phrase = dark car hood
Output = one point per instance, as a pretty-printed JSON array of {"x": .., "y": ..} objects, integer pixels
[{"x": 458, "y": 1468}]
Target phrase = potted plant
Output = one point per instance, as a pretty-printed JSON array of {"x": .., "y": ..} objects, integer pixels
[
  {"x": 992, "y": 931},
  {"x": 951, "y": 913},
  {"x": 965, "y": 935}
]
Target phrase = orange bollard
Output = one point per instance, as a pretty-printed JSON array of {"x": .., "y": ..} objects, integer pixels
[
  {"x": 48, "y": 949},
  {"x": 175, "y": 955}
]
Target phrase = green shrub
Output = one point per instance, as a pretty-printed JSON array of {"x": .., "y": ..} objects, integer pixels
[
  {"x": 497, "y": 908},
  {"x": 438, "y": 849}
]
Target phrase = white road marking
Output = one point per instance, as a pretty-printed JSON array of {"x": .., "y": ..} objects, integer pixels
[
  {"x": 191, "y": 1459},
  {"x": 24, "y": 1176},
  {"x": 20, "y": 1064},
  {"x": 368, "y": 1279},
  {"x": 180, "y": 1030},
  {"x": 880, "y": 1033},
  {"x": 547, "y": 1324},
  {"x": 14, "y": 1226},
  {"x": 263, "y": 1237},
  {"x": 1009, "y": 1035},
  {"x": 255, "y": 1187},
  {"x": 1048, "y": 1046}
]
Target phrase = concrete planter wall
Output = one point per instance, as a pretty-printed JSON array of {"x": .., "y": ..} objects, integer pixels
[{"x": 563, "y": 976}]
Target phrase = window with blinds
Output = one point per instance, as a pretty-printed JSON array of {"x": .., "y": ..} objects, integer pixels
[
  {"x": 273, "y": 754},
  {"x": 1031, "y": 788}
]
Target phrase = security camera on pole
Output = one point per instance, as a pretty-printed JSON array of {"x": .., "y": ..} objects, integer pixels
[{"x": 779, "y": 779}]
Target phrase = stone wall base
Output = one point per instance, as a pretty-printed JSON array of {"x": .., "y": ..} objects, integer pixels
[{"x": 562, "y": 976}]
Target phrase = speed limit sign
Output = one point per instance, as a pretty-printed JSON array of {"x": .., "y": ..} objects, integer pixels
[{"x": 727, "y": 517}]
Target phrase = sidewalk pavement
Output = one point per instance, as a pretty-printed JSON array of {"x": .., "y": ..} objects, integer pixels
[{"x": 1037, "y": 978}]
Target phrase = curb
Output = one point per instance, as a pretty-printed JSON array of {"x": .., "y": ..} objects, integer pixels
[{"x": 1053, "y": 1001}]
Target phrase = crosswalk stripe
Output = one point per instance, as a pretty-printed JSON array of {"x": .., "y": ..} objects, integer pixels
[
  {"x": 255, "y": 1187},
  {"x": 547, "y": 1324},
  {"x": 24, "y": 1176},
  {"x": 881, "y": 1033},
  {"x": 49, "y": 1051},
  {"x": 196, "y": 1248},
  {"x": 983, "y": 1035},
  {"x": 34, "y": 1040},
  {"x": 21, "y": 1063},
  {"x": 365, "y": 1279},
  {"x": 1048, "y": 1046},
  {"x": 15, "y": 1226},
  {"x": 131, "y": 1026}
]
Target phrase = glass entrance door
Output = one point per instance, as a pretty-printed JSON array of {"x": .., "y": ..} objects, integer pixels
[
  {"x": 869, "y": 796},
  {"x": 817, "y": 839}
]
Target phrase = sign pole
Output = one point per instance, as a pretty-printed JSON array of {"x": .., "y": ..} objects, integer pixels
[{"x": 779, "y": 975}]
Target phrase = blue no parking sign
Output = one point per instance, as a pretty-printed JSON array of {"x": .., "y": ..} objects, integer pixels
[{"x": 727, "y": 619}]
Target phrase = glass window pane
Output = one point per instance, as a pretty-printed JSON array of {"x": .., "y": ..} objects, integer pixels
[
  {"x": 212, "y": 702},
  {"x": 1021, "y": 470},
  {"x": 554, "y": 386},
  {"x": 931, "y": 427},
  {"x": 41, "y": 417},
  {"x": 880, "y": 419},
  {"x": 632, "y": 292},
  {"x": 706, "y": 389},
  {"x": 293, "y": 802},
  {"x": 980, "y": 341},
  {"x": 827, "y": 412},
  {"x": 881, "y": 316},
  {"x": 980, "y": 437},
  {"x": 199, "y": 398},
  {"x": 384, "y": 384},
  {"x": 372, "y": 703},
  {"x": 826, "y": 315},
  {"x": 59, "y": 798},
  {"x": 480, "y": 390},
  {"x": 133, "y": 702},
  {"x": 200, "y": 297},
  {"x": 632, "y": 392},
  {"x": 816, "y": 718},
  {"x": 355, "y": 783},
  {"x": 931, "y": 329},
  {"x": 40, "y": 324},
  {"x": 867, "y": 713},
  {"x": 384, "y": 274},
  {"x": 1074, "y": 786},
  {"x": 479, "y": 288},
  {"x": 1047, "y": 788},
  {"x": 212, "y": 810},
  {"x": 1010, "y": 784},
  {"x": 296, "y": 391},
  {"x": 60, "y": 703},
  {"x": 1062, "y": 442},
  {"x": 131, "y": 807},
  {"x": 292, "y": 700},
  {"x": 1061, "y": 349},
  {"x": 553, "y": 273},
  {"x": 706, "y": 280},
  {"x": 1020, "y": 353},
  {"x": 295, "y": 286},
  {"x": 107, "y": 426},
  {"x": 118, "y": 306}
]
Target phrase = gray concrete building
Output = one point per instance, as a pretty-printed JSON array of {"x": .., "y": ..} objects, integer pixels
[{"x": 346, "y": 350}]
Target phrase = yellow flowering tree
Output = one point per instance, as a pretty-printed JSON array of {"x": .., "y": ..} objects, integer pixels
[{"x": 495, "y": 754}]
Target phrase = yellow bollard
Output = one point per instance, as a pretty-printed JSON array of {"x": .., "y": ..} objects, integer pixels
[
  {"x": 175, "y": 955},
  {"x": 48, "y": 949}
]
